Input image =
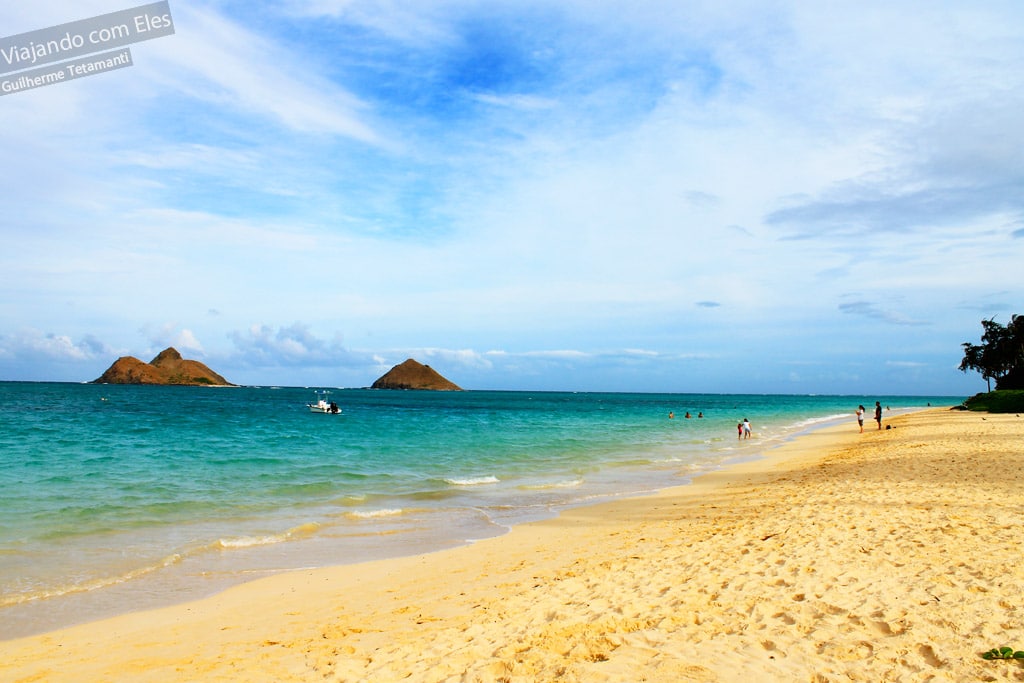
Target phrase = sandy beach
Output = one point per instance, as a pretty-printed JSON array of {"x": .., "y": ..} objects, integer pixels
[{"x": 890, "y": 555}]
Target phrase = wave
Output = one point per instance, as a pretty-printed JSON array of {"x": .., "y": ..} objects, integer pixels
[
  {"x": 472, "y": 481},
  {"x": 569, "y": 484},
  {"x": 90, "y": 585},
  {"x": 351, "y": 499},
  {"x": 373, "y": 514},
  {"x": 825, "y": 419},
  {"x": 221, "y": 544},
  {"x": 300, "y": 531},
  {"x": 248, "y": 541}
]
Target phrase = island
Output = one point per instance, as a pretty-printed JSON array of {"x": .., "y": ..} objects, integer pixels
[
  {"x": 414, "y": 375},
  {"x": 167, "y": 368}
]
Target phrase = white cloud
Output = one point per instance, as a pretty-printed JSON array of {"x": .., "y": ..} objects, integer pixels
[
  {"x": 455, "y": 357},
  {"x": 906, "y": 364},
  {"x": 29, "y": 346},
  {"x": 521, "y": 102},
  {"x": 292, "y": 346},
  {"x": 871, "y": 310},
  {"x": 410, "y": 23},
  {"x": 560, "y": 354}
]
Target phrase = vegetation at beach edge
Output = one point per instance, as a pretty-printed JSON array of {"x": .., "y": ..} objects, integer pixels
[
  {"x": 1007, "y": 401},
  {"x": 999, "y": 357}
]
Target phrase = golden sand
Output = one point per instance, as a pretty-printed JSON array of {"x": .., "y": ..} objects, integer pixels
[{"x": 886, "y": 556}]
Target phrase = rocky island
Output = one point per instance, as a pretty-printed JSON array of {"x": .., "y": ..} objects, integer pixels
[
  {"x": 414, "y": 375},
  {"x": 167, "y": 368}
]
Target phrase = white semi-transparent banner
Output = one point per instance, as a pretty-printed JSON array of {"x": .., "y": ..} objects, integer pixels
[{"x": 84, "y": 37}]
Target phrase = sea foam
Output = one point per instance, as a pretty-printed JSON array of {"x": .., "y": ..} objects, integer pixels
[{"x": 472, "y": 481}]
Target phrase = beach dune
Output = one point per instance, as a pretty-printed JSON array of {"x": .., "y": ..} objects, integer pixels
[{"x": 890, "y": 555}]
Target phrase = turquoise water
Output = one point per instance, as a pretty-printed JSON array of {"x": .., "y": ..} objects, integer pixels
[{"x": 122, "y": 497}]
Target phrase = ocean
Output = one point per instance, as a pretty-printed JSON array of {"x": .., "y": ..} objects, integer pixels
[{"x": 117, "y": 498}]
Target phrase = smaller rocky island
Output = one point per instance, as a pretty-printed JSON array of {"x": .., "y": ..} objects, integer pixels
[
  {"x": 414, "y": 375},
  {"x": 167, "y": 368}
]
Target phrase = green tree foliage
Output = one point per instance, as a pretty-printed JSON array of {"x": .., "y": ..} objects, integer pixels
[{"x": 1000, "y": 356}]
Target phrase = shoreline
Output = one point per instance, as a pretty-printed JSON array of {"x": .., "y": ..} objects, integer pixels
[
  {"x": 401, "y": 528},
  {"x": 855, "y": 556}
]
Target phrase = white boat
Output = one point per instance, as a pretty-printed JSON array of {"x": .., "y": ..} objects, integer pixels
[{"x": 323, "y": 405}]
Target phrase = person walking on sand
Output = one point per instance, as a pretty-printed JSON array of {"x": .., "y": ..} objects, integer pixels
[
  {"x": 746, "y": 428},
  {"x": 860, "y": 418},
  {"x": 878, "y": 414}
]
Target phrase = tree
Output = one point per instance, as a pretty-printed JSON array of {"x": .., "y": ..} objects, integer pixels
[{"x": 1000, "y": 356}]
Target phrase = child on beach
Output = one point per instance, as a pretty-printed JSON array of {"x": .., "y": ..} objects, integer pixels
[{"x": 860, "y": 418}]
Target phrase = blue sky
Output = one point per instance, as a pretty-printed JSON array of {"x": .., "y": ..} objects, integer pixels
[{"x": 740, "y": 196}]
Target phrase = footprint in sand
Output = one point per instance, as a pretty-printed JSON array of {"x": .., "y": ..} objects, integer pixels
[
  {"x": 847, "y": 653},
  {"x": 929, "y": 655}
]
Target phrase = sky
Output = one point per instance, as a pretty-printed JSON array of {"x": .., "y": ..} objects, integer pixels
[{"x": 723, "y": 196}]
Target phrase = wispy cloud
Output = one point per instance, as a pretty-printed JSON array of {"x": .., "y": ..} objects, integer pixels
[
  {"x": 871, "y": 310},
  {"x": 518, "y": 102},
  {"x": 225, "y": 65},
  {"x": 905, "y": 364}
]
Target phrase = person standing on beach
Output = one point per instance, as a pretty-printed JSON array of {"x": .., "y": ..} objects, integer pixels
[
  {"x": 746, "y": 428},
  {"x": 739, "y": 430},
  {"x": 860, "y": 418},
  {"x": 878, "y": 414}
]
